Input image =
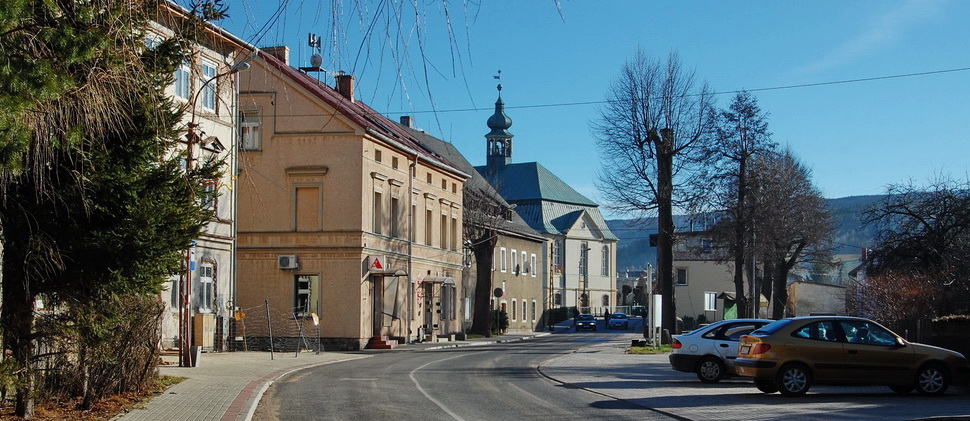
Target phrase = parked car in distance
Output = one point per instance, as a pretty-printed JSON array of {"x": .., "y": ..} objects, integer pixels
[
  {"x": 790, "y": 355},
  {"x": 709, "y": 351},
  {"x": 618, "y": 321},
  {"x": 585, "y": 321}
]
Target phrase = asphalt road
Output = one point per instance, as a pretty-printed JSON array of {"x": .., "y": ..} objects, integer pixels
[{"x": 495, "y": 382}]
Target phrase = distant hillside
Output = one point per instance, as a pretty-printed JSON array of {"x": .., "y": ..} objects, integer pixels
[{"x": 634, "y": 250}]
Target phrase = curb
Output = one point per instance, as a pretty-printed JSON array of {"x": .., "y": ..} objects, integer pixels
[{"x": 487, "y": 342}]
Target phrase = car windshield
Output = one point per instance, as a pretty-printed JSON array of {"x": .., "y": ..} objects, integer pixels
[
  {"x": 771, "y": 327},
  {"x": 585, "y": 317},
  {"x": 618, "y": 316}
]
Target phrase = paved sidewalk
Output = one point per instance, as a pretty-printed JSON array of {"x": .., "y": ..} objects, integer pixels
[{"x": 226, "y": 386}]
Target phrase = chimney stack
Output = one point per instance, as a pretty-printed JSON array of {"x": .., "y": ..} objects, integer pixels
[
  {"x": 345, "y": 86},
  {"x": 407, "y": 121},
  {"x": 281, "y": 52}
]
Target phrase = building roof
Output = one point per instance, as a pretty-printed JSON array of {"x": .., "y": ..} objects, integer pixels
[
  {"x": 558, "y": 218},
  {"x": 360, "y": 113},
  {"x": 532, "y": 181},
  {"x": 476, "y": 183}
]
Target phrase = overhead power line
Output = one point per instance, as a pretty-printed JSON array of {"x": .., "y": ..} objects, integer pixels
[{"x": 773, "y": 88}]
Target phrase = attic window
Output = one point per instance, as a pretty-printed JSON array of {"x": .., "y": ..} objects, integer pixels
[
  {"x": 377, "y": 155},
  {"x": 454, "y": 187},
  {"x": 394, "y": 162},
  {"x": 429, "y": 177}
]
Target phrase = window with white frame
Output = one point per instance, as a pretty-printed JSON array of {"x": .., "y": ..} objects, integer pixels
[
  {"x": 514, "y": 310},
  {"x": 174, "y": 291},
  {"x": 584, "y": 259},
  {"x": 515, "y": 262},
  {"x": 208, "y": 287},
  {"x": 525, "y": 262},
  {"x": 532, "y": 265},
  {"x": 525, "y": 310},
  {"x": 249, "y": 130},
  {"x": 209, "y": 90},
  {"x": 710, "y": 301},
  {"x": 210, "y": 195},
  {"x": 503, "y": 266},
  {"x": 534, "y": 310},
  {"x": 182, "y": 83}
]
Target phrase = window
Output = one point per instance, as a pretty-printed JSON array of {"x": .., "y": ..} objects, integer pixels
[
  {"x": 378, "y": 212},
  {"x": 208, "y": 287},
  {"x": 525, "y": 263},
  {"x": 534, "y": 310},
  {"x": 428, "y": 226},
  {"x": 395, "y": 211},
  {"x": 532, "y": 265},
  {"x": 605, "y": 263},
  {"x": 515, "y": 263},
  {"x": 606, "y": 300},
  {"x": 444, "y": 184},
  {"x": 454, "y": 187},
  {"x": 444, "y": 232},
  {"x": 503, "y": 258},
  {"x": 525, "y": 311},
  {"x": 557, "y": 257},
  {"x": 249, "y": 130},
  {"x": 557, "y": 299},
  {"x": 377, "y": 155},
  {"x": 710, "y": 301},
  {"x": 394, "y": 162},
  {"x": 182, "y": 84},
  {"x": 514, "y": 308},
  {"x": 864, "y": 332},
  {"x": 429, "y": 178},
  {"x": 819, "y": 331},
  {"x": 174, "y": 292},
  {"x": 305, "y": 295},
  {"x": 583, "y": 259},
  {"x": 209, "y": 90},
  {"x": 681, "y": 276},
  {"x": 210, "y": 194},
  {"x": 454, "y": 233}
]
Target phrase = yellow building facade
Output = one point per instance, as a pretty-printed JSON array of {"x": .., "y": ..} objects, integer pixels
[{"x": 349, "y": 231}]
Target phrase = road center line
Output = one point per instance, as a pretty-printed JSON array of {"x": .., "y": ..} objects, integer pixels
[{"x": 425, "y": 393}]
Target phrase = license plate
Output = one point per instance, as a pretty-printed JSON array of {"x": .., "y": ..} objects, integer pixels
[{"x": 745, "y": 349}]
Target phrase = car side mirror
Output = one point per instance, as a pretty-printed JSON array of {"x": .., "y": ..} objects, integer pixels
[{"x": 900, "y": 342}]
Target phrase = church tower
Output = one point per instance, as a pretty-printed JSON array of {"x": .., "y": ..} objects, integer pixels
[{"x": 499, "y": 152}]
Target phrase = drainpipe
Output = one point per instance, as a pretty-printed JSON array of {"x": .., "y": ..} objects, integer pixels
[{"x": 412, "y": 167}]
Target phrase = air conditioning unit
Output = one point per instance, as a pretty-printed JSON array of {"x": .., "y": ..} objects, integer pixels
[{"x": 287, "y": 262}]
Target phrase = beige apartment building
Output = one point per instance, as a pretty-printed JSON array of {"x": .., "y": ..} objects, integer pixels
[{"x": 349, "y": 231}]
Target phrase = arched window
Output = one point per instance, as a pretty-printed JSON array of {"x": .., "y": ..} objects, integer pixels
[
  {"x": 605, "y": 264},
  {"x": 606, "y": 300}
]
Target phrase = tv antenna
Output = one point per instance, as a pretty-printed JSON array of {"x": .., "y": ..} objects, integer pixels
[{"x": 316, "y": 60}]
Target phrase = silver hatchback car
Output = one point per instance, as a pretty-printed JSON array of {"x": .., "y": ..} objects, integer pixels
[{"x": 710, "y": 350}]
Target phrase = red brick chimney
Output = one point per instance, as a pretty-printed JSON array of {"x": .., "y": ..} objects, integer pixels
[
  {"x": 281, "y": 52},
  {"x": 345, "y": 86}
]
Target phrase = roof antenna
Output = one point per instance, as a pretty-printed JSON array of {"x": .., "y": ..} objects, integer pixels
[{"x": 316, "y": 60}]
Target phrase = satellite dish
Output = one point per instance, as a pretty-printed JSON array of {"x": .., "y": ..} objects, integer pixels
[{"x": 316, "y": 60}]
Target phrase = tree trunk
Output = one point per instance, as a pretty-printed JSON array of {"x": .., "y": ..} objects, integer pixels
[
  {"x": 18, "y": 322},
  {"x": 484, "y": 252},
  {"x": 781, "y": 282},
  {"x": 665, "y": 236}
]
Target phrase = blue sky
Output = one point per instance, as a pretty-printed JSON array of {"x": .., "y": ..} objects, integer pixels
[{"x": 856, "y": 137}]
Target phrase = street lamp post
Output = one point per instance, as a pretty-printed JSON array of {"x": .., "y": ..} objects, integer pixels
[{"x": 185, "y": 288}]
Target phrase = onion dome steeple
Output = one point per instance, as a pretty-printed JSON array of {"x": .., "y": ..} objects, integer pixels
[
  {"x": 499, "y": 153},
  {"x": 499, "y": 122}
]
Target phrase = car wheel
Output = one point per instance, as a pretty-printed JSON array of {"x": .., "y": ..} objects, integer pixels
[
  {"x": 793, "y": 380},
  {"x": 710, "y": 370},
  {"x": 766, "y": 386},
  {"x": 932, "y": 379},
  {"x": 901, "y": 389}
]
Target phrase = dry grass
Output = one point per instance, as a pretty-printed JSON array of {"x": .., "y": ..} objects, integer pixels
[{"x": 105, "y": 409}]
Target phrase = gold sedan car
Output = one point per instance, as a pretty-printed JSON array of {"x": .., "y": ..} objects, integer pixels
[{"x": 789, "y": 355}]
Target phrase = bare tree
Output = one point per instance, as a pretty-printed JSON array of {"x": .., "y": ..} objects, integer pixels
[
  {"x": 792, "y": 222},
  {"x": 741, "y": 135},
  {"x": 651, "y": 135},
  {"x": 926, "y": 229}
]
